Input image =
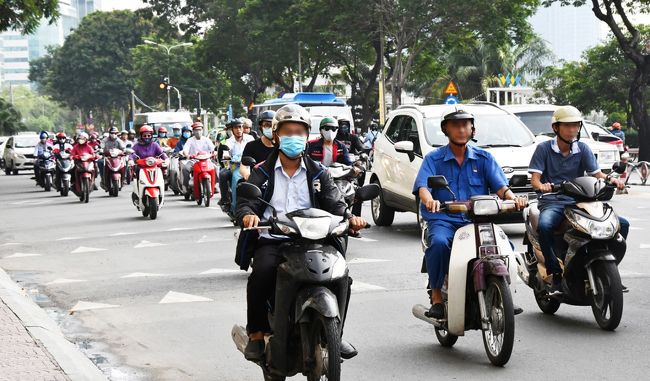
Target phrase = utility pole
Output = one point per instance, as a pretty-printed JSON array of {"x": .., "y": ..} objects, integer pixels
[
  {"x": 299, "y": 67},
  {"x": 132, "y": 110},
  {"x": 382, "y": 99},
  {"x": 168, "y": 49}
]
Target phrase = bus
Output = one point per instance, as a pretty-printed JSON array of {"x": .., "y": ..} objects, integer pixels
[{"x": 319, "y": 105}]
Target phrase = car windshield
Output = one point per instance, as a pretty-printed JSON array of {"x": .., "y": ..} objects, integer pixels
[
  {"x": 539, "y": 123},
  {"x": 25, "y": 142},
  {"x": 491, "y": 131}
]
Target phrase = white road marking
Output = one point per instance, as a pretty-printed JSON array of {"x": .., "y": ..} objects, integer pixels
[
  {"x": 219, "y": 271},
  {"x": 364, "y": 239},
  {"x": 22, "y": 255},
  {"x": 179, "y": 229},
  {"x": 67, "y": 238},
  {"x": 85, "y": 306},
  {"x": 143, "y": 244},
  {"x": 30, "y": 202},
  {"x": 84, "y": 249},
  {"x": 366, "y": 260},
  {"x": 141, "y": 275},
  {"x": 365, "y": 287},
  {"x": 205, "y": 239},
  {"x": 635, "y": 228},
  {"x": 631, "y": 274},
  {"x": 64, "y": 281},
  {"x": 644, "y": 246},
  {"x": 634, "y": 219},
  {"x": 12, "y": 244},
  {"x": 122, "y": 233},
  {"x": 179, "y": 297}
]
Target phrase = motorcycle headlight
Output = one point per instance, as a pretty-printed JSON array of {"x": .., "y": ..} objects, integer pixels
[
  {"x": 341, "y": 228},
  {"x": 313, "y": 228},
  {"x": 339, "y": 268},
  {"x": 485, "y": 207},
  {"x": 150, "y": 161},
  {"x": 596, "y": 229}
]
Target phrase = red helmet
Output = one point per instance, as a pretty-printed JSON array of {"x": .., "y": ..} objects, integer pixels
[
  {"x": 94, "y": 135},
  {"x": 197, "y": 125},
  {"x": 616, "y": 125},
  {"x": 162, "y": 129},
  {"x": 146, "y": 128},
  {"x": 60, "y": 135}
]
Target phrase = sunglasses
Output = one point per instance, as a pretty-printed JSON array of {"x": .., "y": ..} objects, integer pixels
[{"x": 329, "y": 128}]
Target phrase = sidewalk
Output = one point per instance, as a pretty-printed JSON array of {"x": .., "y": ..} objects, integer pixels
[{"x": 32, "y": 347}]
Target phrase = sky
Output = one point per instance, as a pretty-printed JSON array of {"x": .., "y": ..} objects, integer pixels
[{"x": 109, "y": 5}]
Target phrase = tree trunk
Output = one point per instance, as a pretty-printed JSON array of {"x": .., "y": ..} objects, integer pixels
[{"x": 639, "y": 109}]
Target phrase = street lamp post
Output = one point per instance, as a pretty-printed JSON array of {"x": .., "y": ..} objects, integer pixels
[{"x": 168, "y": 49}]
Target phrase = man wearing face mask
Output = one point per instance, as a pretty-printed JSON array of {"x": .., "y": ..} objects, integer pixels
[
  {"x": 346, "y": 136},
  {"x": 327, "y": 149},
  {"x": 111, "y": 142},
  {"x": 236, "y": 144},
  {"x": 290, "y": 181},
  {"x": 261, "y": 148},
  {"x": 197, "y": 143},
  {"x": 176, "y": 135}
]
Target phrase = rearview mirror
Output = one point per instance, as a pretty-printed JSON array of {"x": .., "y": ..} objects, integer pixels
[
  {"x": 368, "y": 192},
  {"x": 619, "y": 167},
  {"x": 518, "y": 181},
  {"x": 248, "y": 190},
  {"x": 129, "y": 151},
  {"x": 226, "y": 148},
  {"x": 437, "y": 182},
  {"x": 248, "y": 161},
  {"x": 406, "y": 147}
]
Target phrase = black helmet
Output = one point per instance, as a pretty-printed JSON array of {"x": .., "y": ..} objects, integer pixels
[
  {"x": 374, "y": 126},
  {"x": 113, "y": 130},
  {"x": 456, "y": 112},
  {"x": 266, "y": 115}
]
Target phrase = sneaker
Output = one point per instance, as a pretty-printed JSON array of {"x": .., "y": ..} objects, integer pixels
[
  {"x": 437, "y": 311},
  {"x": 556, "y": 286},
  {"x": 254, "y": 350}
]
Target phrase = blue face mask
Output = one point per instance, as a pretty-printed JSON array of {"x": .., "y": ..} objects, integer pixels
[
  {"x": 292, "y": 146},
  {"x": 177, "y": 134},
  {"x": 187, "y": 134},
  {"x": 268, "y": 132},
  {"x": 146, "y": 141}
]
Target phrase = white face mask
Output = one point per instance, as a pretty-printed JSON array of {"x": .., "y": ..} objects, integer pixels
[{"x": 329, "y": 135}]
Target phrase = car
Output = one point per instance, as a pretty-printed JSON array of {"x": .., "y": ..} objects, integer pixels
[
  {"x": 537, "y": 118},
  {"x": 18, "y": 153},
  {"x": 413, "y": 131},
  {"x": 3, "y": 140},
  {"x": 602, "y": 134}
]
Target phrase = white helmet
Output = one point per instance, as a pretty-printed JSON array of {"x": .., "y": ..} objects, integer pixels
[
  {"x": 292, "y": 113},
  {"x": 566, "y": 114}
]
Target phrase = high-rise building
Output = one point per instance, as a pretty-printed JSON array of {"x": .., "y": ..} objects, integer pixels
[
  {"x": 568, "y": 30},
  {"x": 16, "y": 50}
]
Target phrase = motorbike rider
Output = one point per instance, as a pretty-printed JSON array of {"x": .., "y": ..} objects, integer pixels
[
  {"x": 248, "y": 128},
  {"x": 327, "y": 149},
  {"x": 62, "y": 142},
  {"x": 131, "y": 138},
  {"x": 176, "y": 135},
  {"x": 186, "y": 134},
  {"x": 80, "y": 148},
  {"x": 471, "y": 171},
  {"x": 192, "y": 146},
  {"x": 236, "y": 144},
  {"x": 616, "y": 131},
  {"x": 162, "y": 136},
  {"x": 261, "y": 148},
  {"x": 146, "y": 147},
  {"x": 371, "y": 137},
  {"x": 346, "y": 136},
  {"x": 555, "y": 161},
  {"x": 290, "y": 181},
  {"x": 111, "y": 142},
  {"x": 41, "y": 147}
]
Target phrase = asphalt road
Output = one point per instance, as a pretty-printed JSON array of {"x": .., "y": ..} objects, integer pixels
[{"x": 156, "y": 300}]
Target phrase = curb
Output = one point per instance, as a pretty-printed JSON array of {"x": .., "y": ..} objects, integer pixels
[{"x": 72, "y": 361}]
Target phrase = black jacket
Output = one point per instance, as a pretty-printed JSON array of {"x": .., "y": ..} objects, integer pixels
[{"x": 323, "y": 193}]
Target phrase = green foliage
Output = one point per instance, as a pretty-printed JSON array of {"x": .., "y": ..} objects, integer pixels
[
  {"x": 40, "y": 112},
  {"x": 27, "y": 15},
  {"x": 10, "y": 119}
]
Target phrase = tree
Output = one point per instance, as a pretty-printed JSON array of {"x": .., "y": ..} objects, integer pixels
[
  {"x": 10, "y": 119},
  {"x": 40, "y": 112},
  {"x": 27, "y": 15},
  {"x": 616, "y": 14}
]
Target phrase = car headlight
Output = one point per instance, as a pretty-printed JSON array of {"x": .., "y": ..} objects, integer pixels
[
  {"x": 341, "y": 229},
  {"x": 313, "y": 228},
  {"x": 485, "y": 207},
  {"x": 596, "y": 229}
]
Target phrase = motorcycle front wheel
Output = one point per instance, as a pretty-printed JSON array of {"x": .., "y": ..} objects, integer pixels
[
  {"x": 153, "y": 207},
  {"x": 325, "y": 339},
  {"x": 115, "y": 188},
  {"x": 207, "y": 192},
  {"x": 65, "y": 188},
  {"x": 48, "y": 182},
  {"x": 607, "y": 304},
  {"x": 85, "y": 190},
  {"x": 499, "y": 338}
]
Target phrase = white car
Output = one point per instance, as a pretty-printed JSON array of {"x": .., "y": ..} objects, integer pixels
[
  {"x": 18, "y": 153},
  {"x": 537, "y": 118},
  {"x": 413, "y": 131}
]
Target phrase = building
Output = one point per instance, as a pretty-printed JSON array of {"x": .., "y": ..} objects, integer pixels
[{"x": 17, "y": 50}]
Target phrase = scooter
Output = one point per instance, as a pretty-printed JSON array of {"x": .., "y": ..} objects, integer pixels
[
  {"x": 114, "y": 172},
  {"x": 149, "y": 188},
  {"x": 476, "y": 294},
  {"x": 84, "y": 176},
  {"x": 204, "y": 178},
  {"x": 63, "y": 174},
  {"x": 233, "y": 164},
  {"x": 46, "y": 169},
  {"x": 311, "y": 294},
  {"x": 346, "y": 178},
  {"x": 589, "y": 246},
  {"x": 186, "y": 191}
]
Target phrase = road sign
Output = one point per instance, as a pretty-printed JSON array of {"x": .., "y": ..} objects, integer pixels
[
  {"x": 451, "y": 89},
  {"x": 451, "y": 100}
]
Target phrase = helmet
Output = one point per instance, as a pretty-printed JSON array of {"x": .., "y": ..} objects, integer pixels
[
  {"x": 113, "y": 130},
  {"x": 197, "y": 125},
  {"x": 43, "y": 135},
  {"x": 124, "y": 132},
  {"x": 266, "y": 115},
  {"x": 131, "y": 132},
  {"x": 176, "y": 126},
  {"x": 456, "y": 112},
  {"x": 162, "y": 129},
  {"x": 61, "y": 135},
  {"x": 234, "y": 122},
  {"x": 327, "y": 121},
  {"x": 566, "y": 114},
  {"x": 82, "y": 135},
  {"x": 374, "y": 126},
  {"x": 146, "y": 128},
  {"x": 186, "y": 128},
  {"x": 291, "y": 113},
  {"x": 616, "y": 125}
]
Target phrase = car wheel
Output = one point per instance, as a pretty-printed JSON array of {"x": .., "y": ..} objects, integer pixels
[{"x": 382, "y": 214}]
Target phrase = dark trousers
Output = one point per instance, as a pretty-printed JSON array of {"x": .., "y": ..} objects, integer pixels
[
  {"x": 260, "y": 290},
  {"x": 550, "y": 218},
  {"x": 356, "y": 207},
  {"x": 225, "y": 178}
]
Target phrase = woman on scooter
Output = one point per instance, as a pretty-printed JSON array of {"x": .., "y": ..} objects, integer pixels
[
  {"x": 471, "y": 171},
  {"x": 146, "y": 147}
]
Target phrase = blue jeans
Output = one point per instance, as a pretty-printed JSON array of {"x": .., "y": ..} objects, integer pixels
[
  {"x": 440, "y": 237},
  {"x": 550, "y": 218}
]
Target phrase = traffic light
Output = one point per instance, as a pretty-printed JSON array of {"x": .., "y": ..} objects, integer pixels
[{"x": 164, "y": 84}]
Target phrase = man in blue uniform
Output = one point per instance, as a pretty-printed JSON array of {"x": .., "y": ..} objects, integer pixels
[{"x": 470, "y": 171}]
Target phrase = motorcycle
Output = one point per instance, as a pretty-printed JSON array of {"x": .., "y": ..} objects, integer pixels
[
  {"x": 476, "y": 294},
  {"x": 165, "y": 167},
  {"x": 46, "y": 169},
  {"x": 233, "y": 164},
  {"x": 174, "y": 177},
  {"x": 204, "y": 178},
  {"x": 63, "y": 174},
  {"x": 114, "y": 172},
  {"x": 346, "y": 177},
  {"x": 84, "y": 176},
  {"x": 311, "y": 294},
  {"x": 149, "y": 188},
  {"x": 589, "y": 247}
]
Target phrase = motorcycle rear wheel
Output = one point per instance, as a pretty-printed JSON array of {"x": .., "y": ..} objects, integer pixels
[
  {"x": 445, "y": 338},
  {"x": 499, "y": 339},
  {"x": 546, "y": 304},
  {"x": 115, "y": 188},
  {"x": 326, "y": 341},
  {"x": 607, "y": 306}
]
